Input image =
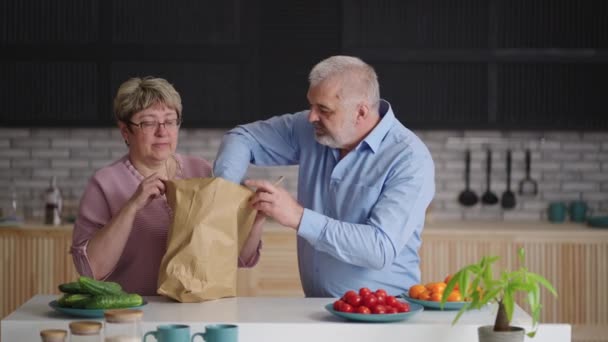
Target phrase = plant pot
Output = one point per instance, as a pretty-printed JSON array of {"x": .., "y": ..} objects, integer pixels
[{"x": 487, "y": 334}]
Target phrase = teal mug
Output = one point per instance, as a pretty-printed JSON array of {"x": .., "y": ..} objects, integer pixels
[
  {"x": 170, "y": 333},
  {"x": 219, "y": 333},
  {"x": 557, "y": 212},
  {"x": 578, "y": 211}
]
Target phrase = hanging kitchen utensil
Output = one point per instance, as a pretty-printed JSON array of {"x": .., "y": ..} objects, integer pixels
[
  {"x": 508, "y": 197},
  {"x": 467, "y": 197},
  {"x": 489, "y": 197},
  {"x": 528, "y": 186}
]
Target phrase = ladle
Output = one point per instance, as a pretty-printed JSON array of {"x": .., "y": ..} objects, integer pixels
[
  {"x": 508, "y": 197},
  {"x": 467, "y": 197},
  {"x": 489, "y": 197}
]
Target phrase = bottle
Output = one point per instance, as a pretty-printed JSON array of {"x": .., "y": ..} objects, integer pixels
[
  {"x": 53, "y": 204},
  {"x": 85, "y": 331},
  {"x": 123, "y": 325},
  {"x": 53, "y": 335},
  {"x": 11, "y": 210}
]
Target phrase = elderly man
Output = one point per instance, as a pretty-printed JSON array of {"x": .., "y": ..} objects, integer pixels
[{"x": 364, "y": 182}]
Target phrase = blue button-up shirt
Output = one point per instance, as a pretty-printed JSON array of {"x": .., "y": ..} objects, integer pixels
[{"x": 363, "y": 214}]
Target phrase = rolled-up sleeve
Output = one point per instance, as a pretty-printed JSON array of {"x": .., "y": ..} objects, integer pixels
[{"x": 93, "y": 215}]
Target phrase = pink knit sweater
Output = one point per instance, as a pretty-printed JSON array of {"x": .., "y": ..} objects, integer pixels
[{"x": 107, "y": 192}]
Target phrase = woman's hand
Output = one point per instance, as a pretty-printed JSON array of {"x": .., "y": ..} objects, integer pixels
[{"x": 150, "y": 188}]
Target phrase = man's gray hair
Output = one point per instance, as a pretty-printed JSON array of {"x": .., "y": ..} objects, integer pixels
[{"x": 358, "y": 77}]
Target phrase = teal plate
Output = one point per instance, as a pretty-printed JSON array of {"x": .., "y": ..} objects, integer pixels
[
  {"x": 435, "y": 305},
  {"x": 414, "y": 309},
  {"x": 88, "y": 313},
  {"x": 598, "y": 221}
]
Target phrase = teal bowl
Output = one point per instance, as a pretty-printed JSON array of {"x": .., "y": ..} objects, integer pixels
[{"x": 598, "y": 221}]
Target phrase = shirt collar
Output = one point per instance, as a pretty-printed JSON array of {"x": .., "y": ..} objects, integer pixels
[{"x": 375, "y": 137}]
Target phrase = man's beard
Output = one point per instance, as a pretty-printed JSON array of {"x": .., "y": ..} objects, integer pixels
[{"x": 338, "y": 140}]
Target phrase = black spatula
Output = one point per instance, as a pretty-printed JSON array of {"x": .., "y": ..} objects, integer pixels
[{"x": 528, "y": 186}]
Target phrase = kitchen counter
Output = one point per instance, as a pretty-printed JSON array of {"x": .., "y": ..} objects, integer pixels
[
  {"x": 542, "y": 229},
  {"x": 271, "y": 319},
  {"x": 574, "y": 257},
  {"x": 522, "y": 230}
]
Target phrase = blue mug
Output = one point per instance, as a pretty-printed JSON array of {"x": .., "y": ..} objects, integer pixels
[
  {"x": 557, "y": 212},
  {"x": 170, "y": 333},
  {"x": 219, "y": 333},
  {"x": 578, "y": 211}
]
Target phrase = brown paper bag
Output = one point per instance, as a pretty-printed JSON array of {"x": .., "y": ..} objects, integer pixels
[{"x": 211, "y": 222}]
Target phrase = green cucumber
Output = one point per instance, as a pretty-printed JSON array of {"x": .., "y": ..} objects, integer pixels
[
  {"x": 73, "y": 287},
  {"x": 76, "y": 300},
  {"x": 99, "y": 288},
  {"x": 114, "y": 301}
]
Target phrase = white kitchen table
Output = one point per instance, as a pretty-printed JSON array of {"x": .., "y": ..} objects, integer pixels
[{"x": 272, "y": 319}]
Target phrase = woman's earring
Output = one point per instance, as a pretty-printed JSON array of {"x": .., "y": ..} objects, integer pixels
[{"x": 127, "y": 142}]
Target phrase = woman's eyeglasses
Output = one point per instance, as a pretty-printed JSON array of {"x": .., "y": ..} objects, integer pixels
[{"x": 149, "y": 127}]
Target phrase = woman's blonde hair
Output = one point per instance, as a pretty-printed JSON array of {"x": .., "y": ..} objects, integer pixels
[{"x": 137, "y": 94}]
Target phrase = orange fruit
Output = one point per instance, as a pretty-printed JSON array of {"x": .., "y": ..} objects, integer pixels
[
  {"x": 436, "y": 287},
  {"x": 416, "y": 290},
  {"x": 425, "y": 295},
  {"x": 436, "y": 297},
  {"x": 454, "y": 296}
]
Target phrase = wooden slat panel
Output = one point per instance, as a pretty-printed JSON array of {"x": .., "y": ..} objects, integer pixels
[
  {"x": 31, "y": 264},
  {"x": 552, "y": 24},
  {"x": 415, "y": 24},
  {"x": 176, "y": 22},
  {"x": 57, "y": 21},
  {"x": 57, "y": 93},
  {"x": 552, "y": 95},
  {"x": 423, "y": 93}
]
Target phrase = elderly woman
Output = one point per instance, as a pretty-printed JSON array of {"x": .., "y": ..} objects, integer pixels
[{"x": 121, "y": 230}]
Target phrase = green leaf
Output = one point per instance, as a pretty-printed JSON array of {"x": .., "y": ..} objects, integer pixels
[
  {"x": 460, "y": 312},
  {"x": 544, "y": 282}
]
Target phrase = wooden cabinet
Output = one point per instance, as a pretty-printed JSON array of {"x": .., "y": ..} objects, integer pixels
[{"x": 573, "y": 257}]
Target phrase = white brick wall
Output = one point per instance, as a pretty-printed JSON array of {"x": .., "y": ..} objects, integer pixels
[{"x": 567, "y": 166}]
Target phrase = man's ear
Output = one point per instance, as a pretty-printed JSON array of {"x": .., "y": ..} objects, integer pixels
[{"x": 362, "y": 112}]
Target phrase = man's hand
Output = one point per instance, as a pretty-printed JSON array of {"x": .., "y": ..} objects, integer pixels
[{"x": 276, "y": 202}]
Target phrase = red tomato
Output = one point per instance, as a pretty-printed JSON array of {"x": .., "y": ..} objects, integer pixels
[
  {"x": 347, "y": 308},
  {"x": 348, "y": 294},
  {"x": 391, "y": 310},
  {"x": 381, "y": 291},
  {"x": 390, "y": 300},
  {"x": 355, "y": 300},
  {"x": 364, "y": 291},
  {"x": 402, "y": 307},
  {"x": 379, "y": 309},
  {"x": 381, "y": 298},
  {"x": 370, "y": 300},
  {"x": 364, "y": 310},
  {"x": 338, "y": 305}
]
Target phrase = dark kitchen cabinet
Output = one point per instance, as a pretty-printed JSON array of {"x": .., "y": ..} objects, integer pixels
[{"x": 443, "y": 64}]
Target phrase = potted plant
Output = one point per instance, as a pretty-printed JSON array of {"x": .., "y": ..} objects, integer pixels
[{"x": 483, "y": 288}]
